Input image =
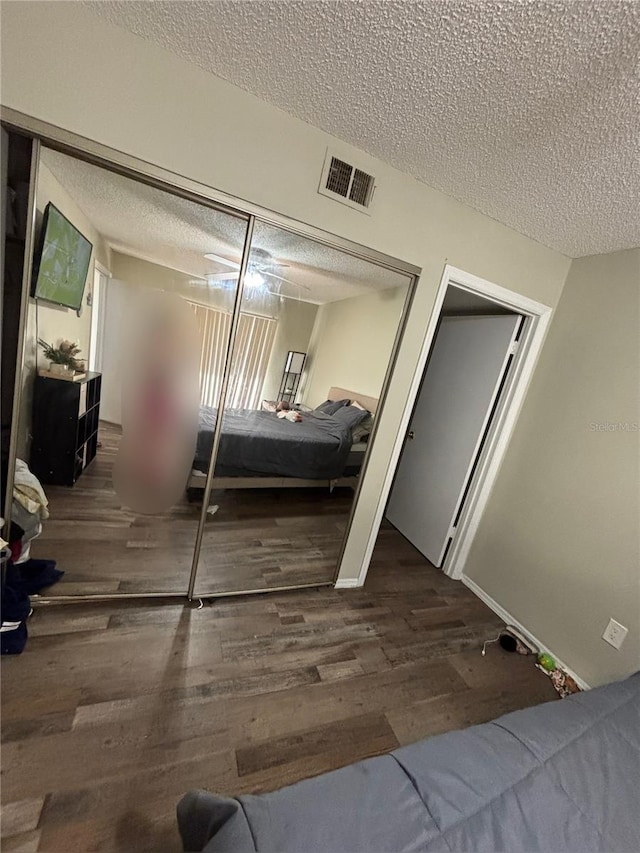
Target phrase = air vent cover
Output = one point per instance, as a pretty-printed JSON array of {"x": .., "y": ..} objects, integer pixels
[{"x": 346, "y": 183}]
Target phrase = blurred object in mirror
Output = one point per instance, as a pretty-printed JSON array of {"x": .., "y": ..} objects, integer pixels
[{"x": 160, "y": 400}]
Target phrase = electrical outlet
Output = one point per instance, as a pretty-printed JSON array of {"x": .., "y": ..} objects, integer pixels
[{"x": 615, "y": 633}]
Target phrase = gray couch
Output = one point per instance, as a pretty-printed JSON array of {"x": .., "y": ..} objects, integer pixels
[{"x": 556, "y": 777}]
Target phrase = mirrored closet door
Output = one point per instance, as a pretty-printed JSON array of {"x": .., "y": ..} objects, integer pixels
[
  {"x": 120, "y": 282},
  {"x": 150, "y": 312},
  {"x": 314, "y": 340}
]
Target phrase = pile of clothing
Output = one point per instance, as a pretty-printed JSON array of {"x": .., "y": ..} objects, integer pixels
[
  {"x": 28, "y": 510},
  {"x": 21, "y": 575}
]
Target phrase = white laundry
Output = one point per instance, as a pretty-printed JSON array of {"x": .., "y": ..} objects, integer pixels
[{"x": 28, "y": 492}]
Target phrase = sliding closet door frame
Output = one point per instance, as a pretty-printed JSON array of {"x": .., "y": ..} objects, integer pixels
[
  {"x": 22, "y": 329},
  {"x": 222, "y": 401},
  {"x": 412, "y": 280},
  {"x": 142, "y": 171},
  {"x": 386, "y": 382},
  {"x": 39, "y": 140}
]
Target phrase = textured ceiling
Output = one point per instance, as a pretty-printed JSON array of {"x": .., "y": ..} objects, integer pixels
[
  {"x": 168, "y": 230},
  {"x": 527, "y": 110}
]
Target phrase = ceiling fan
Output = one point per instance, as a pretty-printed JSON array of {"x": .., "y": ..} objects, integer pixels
[{"x": 261, "y": 268}]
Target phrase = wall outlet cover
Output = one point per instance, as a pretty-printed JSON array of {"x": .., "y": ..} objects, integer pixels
[{"x": 615, "y": 633}]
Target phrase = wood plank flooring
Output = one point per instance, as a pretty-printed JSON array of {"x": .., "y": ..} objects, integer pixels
[
  {"x": 115, "y": 710},
  {"x": 257, "y": 539}
]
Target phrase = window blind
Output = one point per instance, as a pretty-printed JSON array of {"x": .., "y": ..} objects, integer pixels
[{"x": 254, "y": 342}]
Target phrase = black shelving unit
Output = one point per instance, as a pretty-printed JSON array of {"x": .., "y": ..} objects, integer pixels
[
  {"x": 293, "y": 367},
  {"x": 65, "y": 427}
]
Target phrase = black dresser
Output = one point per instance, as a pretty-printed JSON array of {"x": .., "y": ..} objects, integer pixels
[{"x": 65, "y": 427}]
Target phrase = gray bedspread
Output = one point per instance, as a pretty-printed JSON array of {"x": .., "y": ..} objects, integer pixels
[
  {"x": 557, "y": 777},
  {"x": 259, "y": 443}
]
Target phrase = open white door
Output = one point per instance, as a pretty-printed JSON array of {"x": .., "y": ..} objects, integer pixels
[
  {"x": 115, "y": 308},
  {"x": 461, "y": 384},
  {"x": 100, "y": 279}
]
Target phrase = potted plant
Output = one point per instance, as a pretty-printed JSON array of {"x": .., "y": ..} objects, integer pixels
[{"x": 62, "y": 359}]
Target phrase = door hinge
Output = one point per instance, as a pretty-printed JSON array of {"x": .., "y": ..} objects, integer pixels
[{"x": 515, "y": 346}]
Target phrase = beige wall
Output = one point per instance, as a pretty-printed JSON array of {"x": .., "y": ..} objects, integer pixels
[
  {"x": 295, "y": 325},
  {"x": 351, "y": 344},
  {"x": 53, "y": 322},
  {"x": 558, "y": 546},
  {"x": 179, "y": 117},
  {"x": 139, "y": 273}
]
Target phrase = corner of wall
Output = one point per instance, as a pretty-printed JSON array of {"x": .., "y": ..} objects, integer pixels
[{"x": 508, "y": 619}]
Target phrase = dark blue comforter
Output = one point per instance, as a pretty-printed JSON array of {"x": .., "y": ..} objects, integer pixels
[{"x": 260, "y": 443}]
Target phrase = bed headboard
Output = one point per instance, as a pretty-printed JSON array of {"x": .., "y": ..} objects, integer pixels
[{"x": 370, "y": 403}]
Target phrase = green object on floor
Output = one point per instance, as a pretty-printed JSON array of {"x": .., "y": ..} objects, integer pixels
[{"x": 546, "y": 662}]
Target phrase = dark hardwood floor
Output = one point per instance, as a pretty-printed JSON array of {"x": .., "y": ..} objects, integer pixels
[
  {"x": 257, "y": 539},
  {"x": 115, "y": 710}
]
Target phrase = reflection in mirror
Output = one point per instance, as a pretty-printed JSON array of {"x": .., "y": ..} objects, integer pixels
[
  {"x": 159, "y": 402},
  {"x": 143, "y": 241},
  {"x": 314, "y": 342}
]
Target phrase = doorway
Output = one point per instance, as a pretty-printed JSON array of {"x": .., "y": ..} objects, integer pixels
[
  {"x": 101, "y": 278},
  {"x": 471, "y": 296},
  {"x": 467, "y": 370}
]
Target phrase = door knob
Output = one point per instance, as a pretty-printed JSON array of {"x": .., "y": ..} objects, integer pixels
[{"x": 411, "y": 434}]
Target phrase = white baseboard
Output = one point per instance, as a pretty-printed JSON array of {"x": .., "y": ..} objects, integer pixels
[
  {"x": 347, "y": 583},
  {"x": 510, "y": 620}
]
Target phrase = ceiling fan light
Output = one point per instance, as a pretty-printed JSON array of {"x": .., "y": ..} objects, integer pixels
[{"x": 254, "y": 279}]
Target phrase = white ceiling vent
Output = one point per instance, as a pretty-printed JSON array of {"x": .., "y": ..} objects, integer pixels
[{"x": 346, "y": 183}]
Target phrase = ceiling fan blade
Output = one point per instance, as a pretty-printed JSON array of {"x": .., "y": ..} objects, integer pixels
[
  {"x": 287, "y": 280},
  {"x": 209, "y": 280},
  {"x": 223, "y": 276},
  {"x": 210, "y": 256}
]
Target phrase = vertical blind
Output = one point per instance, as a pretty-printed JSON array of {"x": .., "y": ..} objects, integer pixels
[{"x": 254, "y": 342}]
